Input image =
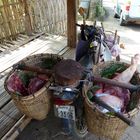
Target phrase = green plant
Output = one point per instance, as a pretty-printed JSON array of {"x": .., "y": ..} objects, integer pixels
[{"x": 100, "y": 11}]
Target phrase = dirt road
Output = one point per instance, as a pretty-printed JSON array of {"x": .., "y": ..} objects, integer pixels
[{"x": 129, "y": 34}]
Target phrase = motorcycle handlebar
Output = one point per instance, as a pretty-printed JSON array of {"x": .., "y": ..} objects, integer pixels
[
  {"x": 84, "y": 26},
  {"x": 78, "y": 24},
  {"x": 63, "y": 89}
]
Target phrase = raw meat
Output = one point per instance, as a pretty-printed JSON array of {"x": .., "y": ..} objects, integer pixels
[{"x": 116, "y": 97}]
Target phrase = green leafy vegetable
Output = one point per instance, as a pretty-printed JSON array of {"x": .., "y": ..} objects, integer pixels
[
  {"x": 92, "y": 91},
  {"x": 110, "y": 71},
  {"x": 95, "y": 88},
  {"x": 25, "y": 77},
  {"x": 134, "y": 100},
  {"x": 110, "y": 113}
]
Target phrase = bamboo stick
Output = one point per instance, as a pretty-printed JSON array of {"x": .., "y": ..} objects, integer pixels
[
  {"x": 16, "y": 16},
  {"x": 9, "y": 15},
  {"x": 32, "y": 14},
  {"x": 28, "y": 26},
  {"x": 5, "y": 24}
]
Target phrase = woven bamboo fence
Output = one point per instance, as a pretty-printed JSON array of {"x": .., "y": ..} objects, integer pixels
[
  {"x": 29, "y": 16},
  {"x": 48, "y": 15}
]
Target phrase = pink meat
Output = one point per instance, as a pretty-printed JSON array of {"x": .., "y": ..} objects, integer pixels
[
  {"x": 35, "y": 85},
  {"x": 15, "y": 85},
  {"x": 121, "y": 96},
  {"x": 113, "y": 101},
  {"x": 126, "y": 75},
  {"x": 115, "y": 97}
]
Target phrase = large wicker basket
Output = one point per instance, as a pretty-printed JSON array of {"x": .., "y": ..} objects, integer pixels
[
  {"x": 101, "y": 124},
  {"x": 37, "y": 105}
]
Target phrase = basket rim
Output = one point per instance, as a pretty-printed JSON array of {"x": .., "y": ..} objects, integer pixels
[{"x": 40, "y": 55}]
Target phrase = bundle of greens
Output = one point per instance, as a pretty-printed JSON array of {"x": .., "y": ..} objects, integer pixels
[{"x": 110, "y": 71}]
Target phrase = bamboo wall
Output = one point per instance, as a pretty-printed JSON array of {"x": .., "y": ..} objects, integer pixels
[
  {"x": 48, "y": 15},
  {"x": 27, "y": 16},
  {"x": 11, "y": 18}
]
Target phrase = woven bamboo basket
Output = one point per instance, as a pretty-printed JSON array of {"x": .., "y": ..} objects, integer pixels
[
  {"x": 103, "y": 125},
  {"x": 36, "y": 106}
]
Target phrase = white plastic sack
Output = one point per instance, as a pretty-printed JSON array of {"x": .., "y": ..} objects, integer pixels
[{"x": 115, "y": 50}]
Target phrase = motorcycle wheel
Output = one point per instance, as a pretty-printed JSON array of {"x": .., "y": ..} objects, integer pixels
[
  {"x": 79, "y": 128},
  {"x": 79, "y": 125}
]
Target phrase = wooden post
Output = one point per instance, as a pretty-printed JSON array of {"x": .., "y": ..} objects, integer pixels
[{"x": 71, "y": 23}]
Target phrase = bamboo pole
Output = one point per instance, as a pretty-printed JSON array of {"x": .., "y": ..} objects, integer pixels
[
  {"x": 16, "y": 16},
  {"x": 9, "y": 15},
  {"x": 28, "y": 25},
  {"x": 5, "y": 24}
]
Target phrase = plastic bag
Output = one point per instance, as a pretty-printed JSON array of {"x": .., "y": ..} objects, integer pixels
[
  {"x": 111, "y": 100},
  {"x": 105, "y": 53},
  {"x": 115, "y": 50}
]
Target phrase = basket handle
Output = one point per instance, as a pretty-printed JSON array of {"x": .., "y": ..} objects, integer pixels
[
  {"x": 23, "y": 66},
  {"x": 116, "y": 83}
]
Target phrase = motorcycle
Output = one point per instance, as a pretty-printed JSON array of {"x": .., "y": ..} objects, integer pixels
[
  {"x": 101, "y": 45},
  {"x": 68, "y": 105},
  {"x": 68, "y": 98}
]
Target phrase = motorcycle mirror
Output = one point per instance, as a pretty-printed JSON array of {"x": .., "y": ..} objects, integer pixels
[{"x": 81, "y": 11}]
